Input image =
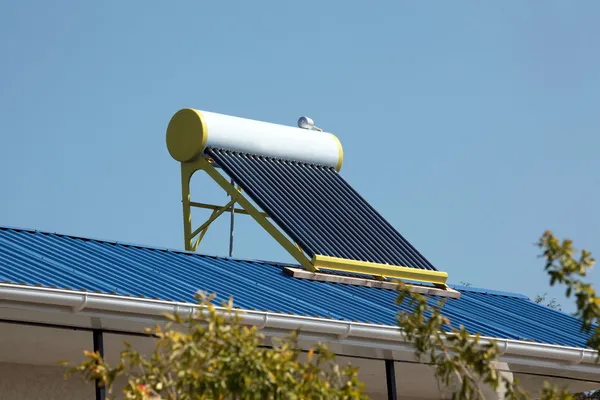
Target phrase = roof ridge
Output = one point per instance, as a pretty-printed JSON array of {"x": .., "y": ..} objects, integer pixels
[
  {"x": 492, "y": 292},
  {"x": 143, "y": 246}
]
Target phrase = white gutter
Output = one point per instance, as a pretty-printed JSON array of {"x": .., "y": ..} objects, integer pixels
[{"x": 353, "y": 332}]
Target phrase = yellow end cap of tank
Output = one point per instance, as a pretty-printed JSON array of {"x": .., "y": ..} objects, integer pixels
[
  {"x": 340, "y": 153},
  {"x": 186, "y": 135}
]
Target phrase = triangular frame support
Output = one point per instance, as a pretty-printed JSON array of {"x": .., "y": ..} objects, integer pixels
[{"x": 203, "y": 164}]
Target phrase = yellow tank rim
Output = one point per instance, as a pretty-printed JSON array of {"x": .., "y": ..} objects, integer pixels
[
  {"x": 186, "y": 135},
  {"x": 340, "y": 153}
]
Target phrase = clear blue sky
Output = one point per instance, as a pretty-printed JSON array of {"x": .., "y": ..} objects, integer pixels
[{"x": 486, "y": 117}]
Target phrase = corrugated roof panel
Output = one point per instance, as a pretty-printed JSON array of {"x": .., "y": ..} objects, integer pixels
[
  {"x": 317, "y": 208},
  {"x": 36, "y": 258}
]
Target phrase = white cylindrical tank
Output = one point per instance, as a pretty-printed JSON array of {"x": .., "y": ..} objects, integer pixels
[{"x": 191, "y": 131}]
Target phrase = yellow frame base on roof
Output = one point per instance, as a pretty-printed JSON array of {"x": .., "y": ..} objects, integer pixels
[
  {"x": 377, "y": 270},
  {"x": 388, "y": 271}
]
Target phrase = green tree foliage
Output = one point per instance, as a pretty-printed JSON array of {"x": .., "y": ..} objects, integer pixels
[
  {"x": 456, "y": 354},
  {"x": 588, "y": 396},
  {"x": 567, "y": 267},
  {"x": 216, "y": 357},
  {"x": 543, "y": 299},
  {"x": 453, "y": 352}
]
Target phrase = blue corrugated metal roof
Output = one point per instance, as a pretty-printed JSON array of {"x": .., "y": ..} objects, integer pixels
[{"x": 54, "y": 260}]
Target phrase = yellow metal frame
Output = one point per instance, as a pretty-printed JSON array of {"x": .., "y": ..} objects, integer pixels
[
  {"x": 378, "y": 271},
  {"x": 369, "y": 268},
  {"x": 213, "y": 207},
  {"x": 204, "y": 227},
  {"x": 187, "y": 170}
]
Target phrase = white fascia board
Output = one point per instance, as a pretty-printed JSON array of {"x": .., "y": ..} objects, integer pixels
[{"x": 384, "y": 337}]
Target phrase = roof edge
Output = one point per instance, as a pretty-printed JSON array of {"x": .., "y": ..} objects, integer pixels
[
  {"x": 142, "y": 246},
  {"x": 367, "y": 334},
  {"x": 463, "y": 288}
]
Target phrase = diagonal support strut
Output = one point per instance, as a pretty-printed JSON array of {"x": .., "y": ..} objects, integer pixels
[{"x": 187, "y": 170}]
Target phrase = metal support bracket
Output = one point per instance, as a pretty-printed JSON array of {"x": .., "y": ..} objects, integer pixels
[
  {"x": 187, "y": 170},
  {"x": 217, "y": 211},
  {"x": 204, "y": 227},
  {"x": 214, "y": 207}
]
